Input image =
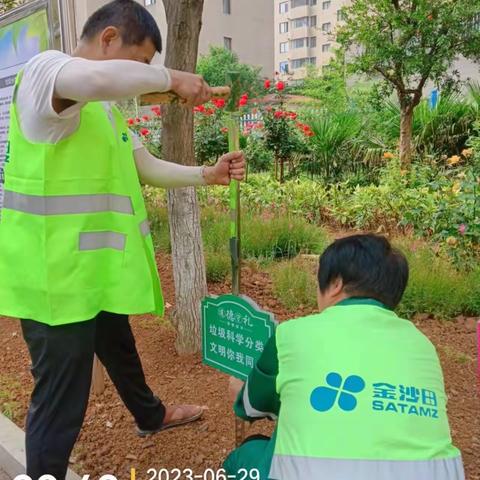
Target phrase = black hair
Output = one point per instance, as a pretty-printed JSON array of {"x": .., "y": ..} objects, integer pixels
[
  {"x": 368, "y": 267},
  {"x": 134, "y": 21}
]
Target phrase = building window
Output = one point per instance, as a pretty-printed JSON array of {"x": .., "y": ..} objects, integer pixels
[
  {"x": 302, "y": 3},
  {"x": 283, "y": 67},
  {"x": 227, "y": 8},
  {"x": 327, "y": 27},
  {"x": 227, "y": 43},
  {"x": 340, "y": 15},
  {"x": 313, "y": 42},
  {"x": 300, "y": 22},
  {"x": 284, "y": 7},
  {"x": 313, "y": 21},
  {"x": 283, "y": 47},
  {"x": 326, "y": 47},
  {"x": 298, "y": 43},
  {"x": 301, "y": 62},
  {"x": 284, "y": 27},
  {"x": 326, "y": 5},
  {"x": 149, "y": 2}
]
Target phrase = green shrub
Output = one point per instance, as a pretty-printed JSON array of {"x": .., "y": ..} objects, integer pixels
[
  {"x": 218, "y": 266},
  {"x": 294, "y": 283},
  {"x": 155, "y": 201}
]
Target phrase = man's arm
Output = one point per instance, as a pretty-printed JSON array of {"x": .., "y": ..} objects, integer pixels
[
  {"x": 259, "y": 398},
  {"x": 81, "y": 80},
  {"x": 159, "y": 173}
]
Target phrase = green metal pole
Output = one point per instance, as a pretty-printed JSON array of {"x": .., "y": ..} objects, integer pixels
[{"x": 233, "y": 146}]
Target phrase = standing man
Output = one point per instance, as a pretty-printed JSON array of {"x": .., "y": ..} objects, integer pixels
[{"x": 76, "y": 252}]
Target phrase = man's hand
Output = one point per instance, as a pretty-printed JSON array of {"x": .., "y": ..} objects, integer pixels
[
  {"x": 191, "y": 88},
  {"x": 230, "y": 166},
  {"x": 234, "y": 387}
]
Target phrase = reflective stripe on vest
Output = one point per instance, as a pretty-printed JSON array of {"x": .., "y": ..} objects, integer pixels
[
  {"x": 98, "y": 240},
  {"x": 289, "y": 467},
  {"x": 115, "y": 240},
  {"x": 145, "y": 228},
  {"x": 67, "y": 204}
]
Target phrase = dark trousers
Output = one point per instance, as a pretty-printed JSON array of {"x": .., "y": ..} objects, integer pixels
[{"x": 62, "y": 360}]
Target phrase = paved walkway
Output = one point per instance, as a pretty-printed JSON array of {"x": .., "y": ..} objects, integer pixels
[{"x": 3, "y": 475}]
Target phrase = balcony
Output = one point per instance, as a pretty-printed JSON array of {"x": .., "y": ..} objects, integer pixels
[
  {"x": 300, "y": 32},
  {"x": 297, "y": 53},
  {"x": 304, "y": 11}
]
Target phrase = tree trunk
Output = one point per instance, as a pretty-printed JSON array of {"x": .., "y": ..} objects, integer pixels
[
  {"x": 406, "y": 129},
  {"x": 184, "y": 19}
]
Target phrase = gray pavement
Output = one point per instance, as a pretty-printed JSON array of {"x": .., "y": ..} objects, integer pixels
[{"x": 3, "y": 475}]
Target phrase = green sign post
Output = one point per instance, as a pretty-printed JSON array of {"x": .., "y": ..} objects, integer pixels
[{"x": 235, "y": 331}]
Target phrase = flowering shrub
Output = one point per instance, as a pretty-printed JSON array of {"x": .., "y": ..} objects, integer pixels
[{"x": 149, "y": 129}]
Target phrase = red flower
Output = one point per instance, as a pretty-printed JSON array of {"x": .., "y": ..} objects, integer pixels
[
  {"x": 200, "y": 108},
  {"x": 137, "y": 120},
  {"x": 210, "y": 111},
  {"x": 280, "y": 86},
  {"x": 279, "y": 114},
  {"x": 156, "y": 110},
  {"x": 306, "y": 128},
  {"x": 292, "y": 115},
  {"x": 144, "y": 132},
  {"x": 131, "y": 121},
  {"x": 146, "y": 118},
  {"x": 219, "y": 102},
  {"x": 309, "y": 133},
  {"x": 243, "y": 101},
  {"x": 224, "y": 130},
  {"x": 268, "y": 84}
]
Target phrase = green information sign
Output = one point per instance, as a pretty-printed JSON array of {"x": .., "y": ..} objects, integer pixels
[{"x": 235, "y": 331}]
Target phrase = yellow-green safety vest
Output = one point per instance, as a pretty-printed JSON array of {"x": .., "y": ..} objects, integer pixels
[
  {"x": 74, "y": 235},
  {"x": 362, "y": 397}
]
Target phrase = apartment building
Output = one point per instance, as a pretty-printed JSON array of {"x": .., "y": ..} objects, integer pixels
[
  {"x": 304, "y": 34},
  {"x": 244, "y": 26}
]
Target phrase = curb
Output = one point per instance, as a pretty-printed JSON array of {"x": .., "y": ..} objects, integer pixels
[{"x": 12, "y": 450}]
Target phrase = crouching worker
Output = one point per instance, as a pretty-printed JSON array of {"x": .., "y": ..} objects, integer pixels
[{"x": 357, "y": 391}]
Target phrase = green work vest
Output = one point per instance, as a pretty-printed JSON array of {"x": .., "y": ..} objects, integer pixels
[
  {"x": 74, "y": 235},
  {"x": 362, "y": 398}
]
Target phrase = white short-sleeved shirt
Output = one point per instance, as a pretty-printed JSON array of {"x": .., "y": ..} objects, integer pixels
[{"x": 38, "y": 120}]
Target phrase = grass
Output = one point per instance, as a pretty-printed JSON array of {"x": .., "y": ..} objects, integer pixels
[
  {"x": 264, "y": 238},
  {"x": 8, "y": 405},
  {"x": 294, "y": 283},
  {"x": 435, "y": 286}
]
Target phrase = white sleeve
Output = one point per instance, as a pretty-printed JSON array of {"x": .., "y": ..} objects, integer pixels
[
  {"x": 84, "y": 80},
  {"x": 160, "y": 173}
]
